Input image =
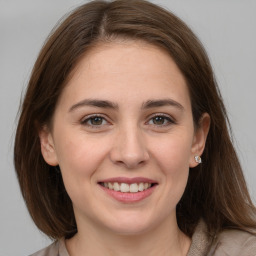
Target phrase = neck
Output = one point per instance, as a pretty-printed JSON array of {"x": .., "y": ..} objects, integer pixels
[{"x": 166, "y": 239}]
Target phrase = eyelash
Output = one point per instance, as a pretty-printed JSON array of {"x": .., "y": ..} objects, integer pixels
[
  {"x": 90, "y": 118},
  {"x": 167, "y": 119}
]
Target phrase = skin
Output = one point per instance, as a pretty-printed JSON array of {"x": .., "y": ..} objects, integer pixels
[{"x": 127, "y": 140}]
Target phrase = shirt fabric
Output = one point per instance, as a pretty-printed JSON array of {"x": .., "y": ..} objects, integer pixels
[{"x": 227, "y": 243}]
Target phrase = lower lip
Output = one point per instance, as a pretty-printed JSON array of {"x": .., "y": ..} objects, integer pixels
[{"x": 129, "y": 197}]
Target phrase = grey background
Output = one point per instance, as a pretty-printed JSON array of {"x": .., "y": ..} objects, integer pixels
[{"x": 226, "y": 28}]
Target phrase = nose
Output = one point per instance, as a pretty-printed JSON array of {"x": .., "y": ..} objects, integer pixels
[{"x": 129, "y": 149}]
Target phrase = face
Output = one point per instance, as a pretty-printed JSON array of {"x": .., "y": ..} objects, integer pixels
[{"x": 124, "y": 138}]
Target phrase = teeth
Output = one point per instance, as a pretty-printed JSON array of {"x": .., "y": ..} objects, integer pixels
[
  {"x": 116, "y": 186},
  {"x": 134, "y": 188},
  {"x": 142, "y": 187},
  {"x": 110, "y": 186},
  {"x": 124, "y": 187}
]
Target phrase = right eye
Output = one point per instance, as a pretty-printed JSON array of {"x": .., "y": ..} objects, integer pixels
[
  {"x": 94, "y": 121},
  {"x": 160, "y": 120}
]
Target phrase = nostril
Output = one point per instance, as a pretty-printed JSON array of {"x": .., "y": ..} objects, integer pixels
[
  {"x": 129, "y": 150},
  {"x": 129, "y": 162}
]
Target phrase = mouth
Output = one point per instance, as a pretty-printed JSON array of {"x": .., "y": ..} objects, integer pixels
[
  {"x": 126, "y": 187},
  {"x": 128, "y": 190}
]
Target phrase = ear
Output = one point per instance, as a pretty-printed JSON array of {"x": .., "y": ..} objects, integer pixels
[
  {"x": 47, "y": 146},
  {"x": 199, "y": 140}
]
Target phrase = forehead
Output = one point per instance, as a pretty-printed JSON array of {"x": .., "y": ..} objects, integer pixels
[
  {"x": 131, "y": 68},
  {"x": 124, "y": 57}
]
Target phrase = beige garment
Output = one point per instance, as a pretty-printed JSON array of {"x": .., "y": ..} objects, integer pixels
[
  {"x": 57, "y": 248},
  {"x": 227, "y": 243}
]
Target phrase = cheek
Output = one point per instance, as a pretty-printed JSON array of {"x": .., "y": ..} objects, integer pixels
[
  {"x": 78, "y": 158},
  {"x": 173, "y": 156},
  {"x": 173, "y": 153}
]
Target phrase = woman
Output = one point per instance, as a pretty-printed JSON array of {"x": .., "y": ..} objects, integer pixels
[{"x": 123, "y": 146}]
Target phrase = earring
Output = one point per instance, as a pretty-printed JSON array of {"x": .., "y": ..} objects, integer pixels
[{"x": 198, "y": 159}]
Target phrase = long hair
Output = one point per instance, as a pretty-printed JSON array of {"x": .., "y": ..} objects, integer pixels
[{"x": 216, "y": 190}]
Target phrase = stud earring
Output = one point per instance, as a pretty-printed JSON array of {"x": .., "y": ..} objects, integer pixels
[{"x": 198, "y": 159}]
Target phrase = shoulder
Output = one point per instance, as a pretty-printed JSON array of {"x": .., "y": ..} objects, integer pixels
[
  {"x": 229, "y": 242},
  {"x": 52, "y": 249},
  {"x": 55, "y": 249},
  {"x": 234, "y": 243}
]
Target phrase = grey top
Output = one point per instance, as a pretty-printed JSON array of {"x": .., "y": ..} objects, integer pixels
[{"x": 227, "y": 243}]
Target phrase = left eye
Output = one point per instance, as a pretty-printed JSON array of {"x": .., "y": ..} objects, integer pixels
[
  {"x": 94, "y": 121},
  {"x": 160, "y": 120}
]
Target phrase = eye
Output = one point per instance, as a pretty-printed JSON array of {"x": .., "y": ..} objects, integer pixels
[
  {"x": 94, "y": 121},
  {"x": 161, "y": 120}
]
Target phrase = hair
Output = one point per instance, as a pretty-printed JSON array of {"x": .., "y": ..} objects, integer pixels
[{"x": 216, "y": 190}]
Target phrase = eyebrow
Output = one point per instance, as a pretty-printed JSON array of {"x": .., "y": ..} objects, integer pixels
[
  {"x": 94, "y": 103},
  {"x": 110, "y": 105},
  {"x": 161, "y": 103}
]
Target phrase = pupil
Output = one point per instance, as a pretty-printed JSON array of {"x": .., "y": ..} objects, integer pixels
[
  {"x": 96, "y": 120},
  {"x": 158, "y": 120}
]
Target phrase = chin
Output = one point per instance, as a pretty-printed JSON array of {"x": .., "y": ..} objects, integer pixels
[{"x": 132, "y": 224}]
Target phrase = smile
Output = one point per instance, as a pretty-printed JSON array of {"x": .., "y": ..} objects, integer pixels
[{"x": 127, "y": 188}]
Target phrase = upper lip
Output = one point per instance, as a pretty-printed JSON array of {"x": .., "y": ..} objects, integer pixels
[{"x": 128, "y": 180}]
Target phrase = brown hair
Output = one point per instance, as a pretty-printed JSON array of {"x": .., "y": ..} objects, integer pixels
[{"x": 216, "y": 190}]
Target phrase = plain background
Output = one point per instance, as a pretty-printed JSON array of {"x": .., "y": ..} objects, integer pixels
[{"x": 227, "y": 29}]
